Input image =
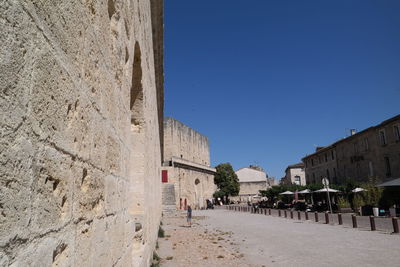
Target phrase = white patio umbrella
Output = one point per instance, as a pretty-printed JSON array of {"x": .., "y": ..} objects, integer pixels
[
  {"x": 358, "y": 189},
  {"x": 330, "y": 190},
  {"x": 287, "y": 193},
  {"x": 305, "y": 191}
]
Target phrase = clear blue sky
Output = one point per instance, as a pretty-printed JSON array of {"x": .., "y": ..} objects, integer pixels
[{"x": 266, "y": 81}]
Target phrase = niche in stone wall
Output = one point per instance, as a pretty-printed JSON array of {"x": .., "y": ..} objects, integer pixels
[
  {"x": 136, "y": 102},
  {"x": 138, "y": 130}
]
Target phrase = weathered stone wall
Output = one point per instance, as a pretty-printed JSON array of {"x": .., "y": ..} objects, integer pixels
[
  {"x": 183, "y": 142},
  {"x": 194, "y": 186},
  {"x": 187, "y": 160},
  {"x": 252, "y": 188},
  {"x": 80, "y": 139},
  {"x": 292, "y": 172}
]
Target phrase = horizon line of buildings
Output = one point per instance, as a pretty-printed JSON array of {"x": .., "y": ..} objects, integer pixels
[{"x": 369, "y": 156}]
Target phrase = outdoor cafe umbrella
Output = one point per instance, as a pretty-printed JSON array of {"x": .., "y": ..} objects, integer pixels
[
  {"x": 358, "y": 189},
  {"x": 327, "y": 189},
  {"x": 305, "y": 191},
  {"x": 330, "y": 190},
  {"x": 287, "y": 193}
]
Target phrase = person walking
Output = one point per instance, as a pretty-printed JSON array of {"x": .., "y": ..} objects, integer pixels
[{"x": 189, "y": 216}]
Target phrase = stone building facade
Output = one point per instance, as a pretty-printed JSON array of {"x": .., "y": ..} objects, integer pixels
[
  {"x": 252, "y": 179},
  {"x": 370, "y": 156},
  {"x": 187, "y": 165},
  {"x": 295, "y": 174},
  {"x": 81, "y": 104}
]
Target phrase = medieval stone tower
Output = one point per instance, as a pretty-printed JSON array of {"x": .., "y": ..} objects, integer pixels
[{"x": 81, "y": 121}]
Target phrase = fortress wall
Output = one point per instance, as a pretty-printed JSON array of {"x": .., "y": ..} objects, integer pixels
[{"x": 80, "y": 150}]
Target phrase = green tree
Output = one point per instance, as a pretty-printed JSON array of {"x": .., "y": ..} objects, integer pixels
[{"x": 227, "y": 181}]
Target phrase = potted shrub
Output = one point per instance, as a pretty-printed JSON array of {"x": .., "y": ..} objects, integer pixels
[
  {"x": 344, "y": 205},
  {"x": 358, "y": 202},
  {"x": 373, "y": 195}
]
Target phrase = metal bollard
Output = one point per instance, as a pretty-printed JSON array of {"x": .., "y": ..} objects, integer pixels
[
  {"x": 269, "y": 211},
  {"x": 372, "y": 222},
  {"x": 298, "y": 215},
  {"x": 316, "y": 216},
  {"x": 291, "y": 214},
  {"x": 306, "y": 214},
  {"x": 326, "y": 218},
  {"x": 279, "y": 213},
  {"x": 285, "y": 214},
  {"x": 395, "y": 223},
  {"x": 354, "y": 220},
  {"x": 340, "y": 220}
]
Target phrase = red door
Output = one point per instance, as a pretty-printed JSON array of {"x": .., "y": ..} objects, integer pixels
[{"x": 164, "y": 176}]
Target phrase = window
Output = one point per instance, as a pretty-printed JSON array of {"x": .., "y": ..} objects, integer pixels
[
  {"x": 387, "y": 165},
  {"x": 371, "y": 169},
  {"x": 312, "y": 162},
  {"x": 332, "y": 155},
  {"x": 326, "y": 157},
  {"x": 355, "y": 147},
  {"x": 366, "y": 144},
  {"x": 334, "y": 172},
  {"x": 313, "y": 176},
  {"x": 297, "y": 180},
  {"x": 327, "y": 174},
  {"x": 382, "y": 137},
  {"x": 396, "y": 130}
]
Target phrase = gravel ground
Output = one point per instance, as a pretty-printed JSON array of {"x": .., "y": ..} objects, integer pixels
[{"x": 221, "y": 237}]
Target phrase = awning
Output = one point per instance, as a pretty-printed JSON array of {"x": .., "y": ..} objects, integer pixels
[{"x": 394, "y": 182}]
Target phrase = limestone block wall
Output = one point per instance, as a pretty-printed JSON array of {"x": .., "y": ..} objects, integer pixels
[
  {"x": 194, "y": 186},
  {"x": 79, "y": 133},
  {"x": 292, "y": 172},
  {"x": 251, "y": 188},
  {"x": 183, "y": 142}
]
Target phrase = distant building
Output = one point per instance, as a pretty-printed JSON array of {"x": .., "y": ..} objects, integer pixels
[
  {"x": 271, "y": 181},
  {"x": 252, "y": 179},
  {"x": 187, "y": 176},
  {"x": 295, "y": 174},
  {"x": 370, "y": 156}
]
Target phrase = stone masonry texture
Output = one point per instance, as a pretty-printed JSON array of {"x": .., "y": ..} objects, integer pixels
[
  {"x": 187, "y": 161},
  {"x": 81, "y": 88}
]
